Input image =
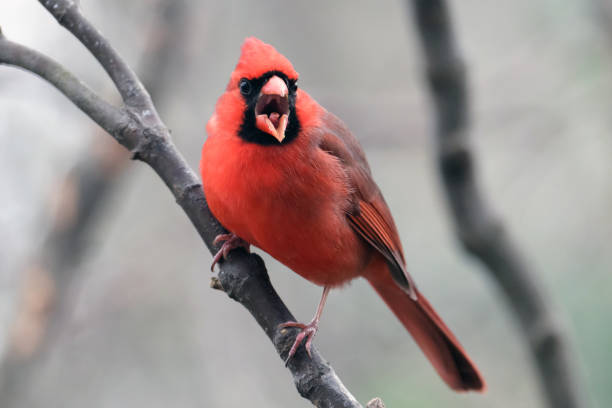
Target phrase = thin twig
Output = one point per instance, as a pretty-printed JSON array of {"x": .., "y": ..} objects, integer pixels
[
  {"x": 244, "y": 277},
  {"x": 479, "y": 230}
]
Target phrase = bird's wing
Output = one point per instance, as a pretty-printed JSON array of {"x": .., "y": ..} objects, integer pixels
[{"x": 369, "y": 214}]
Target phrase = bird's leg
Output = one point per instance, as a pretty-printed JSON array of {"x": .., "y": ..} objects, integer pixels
[
  {"x": 232, "y": 241},
  {"x": 307, "y": 331}
]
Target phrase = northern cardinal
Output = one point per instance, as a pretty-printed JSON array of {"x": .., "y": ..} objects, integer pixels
[{"x": 283, "y": 174}]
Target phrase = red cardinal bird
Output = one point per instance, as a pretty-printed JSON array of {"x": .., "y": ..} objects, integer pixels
[{"x": 285, "y": 175}]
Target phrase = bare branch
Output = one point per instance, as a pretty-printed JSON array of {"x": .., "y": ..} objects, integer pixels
[
  {"x": 479, "y": 230},
  {"x": 68, "y": 14},
  {"x": 313, "y": 377},
  {"x": 244, "y": 277},
  {"x": 107, "y": 116}
]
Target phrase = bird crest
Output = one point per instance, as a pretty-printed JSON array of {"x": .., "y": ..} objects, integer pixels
[{"x": 257, "y": 58}]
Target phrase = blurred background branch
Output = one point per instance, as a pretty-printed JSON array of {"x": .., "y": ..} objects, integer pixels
[{"x": 479, "y": 230}]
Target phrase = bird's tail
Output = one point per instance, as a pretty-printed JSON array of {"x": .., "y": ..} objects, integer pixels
[{"x": 429, "y": 331}]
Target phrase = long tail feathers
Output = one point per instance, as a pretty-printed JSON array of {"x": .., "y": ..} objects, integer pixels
[{"x": 431, "y": 334}]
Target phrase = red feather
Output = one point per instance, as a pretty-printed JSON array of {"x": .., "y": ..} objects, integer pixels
[
  {"x": 313, "y": 205},
  {"x": 429, "y": 331}
]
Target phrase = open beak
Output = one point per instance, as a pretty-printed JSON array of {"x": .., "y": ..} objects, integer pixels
[{"x": 272, "y": 108}]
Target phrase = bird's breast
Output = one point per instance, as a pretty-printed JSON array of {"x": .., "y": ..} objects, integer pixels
[{"x": 290, "y": 201}]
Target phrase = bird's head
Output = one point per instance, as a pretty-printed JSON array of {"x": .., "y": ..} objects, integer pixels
[{"x": 262, "y": 91}]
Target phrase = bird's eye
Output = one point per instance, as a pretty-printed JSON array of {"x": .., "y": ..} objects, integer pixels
[
  {"x": 292, "y": 86},
  {"x": 245, "y": 86}
]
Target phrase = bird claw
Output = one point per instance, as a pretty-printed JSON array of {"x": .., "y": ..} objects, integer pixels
[
  {"x": 232, "y": 241},
  {"x": 307, "y": 331}
]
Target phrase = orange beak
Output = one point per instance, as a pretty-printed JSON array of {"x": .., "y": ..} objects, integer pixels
[{"x": 272, "y": 108}]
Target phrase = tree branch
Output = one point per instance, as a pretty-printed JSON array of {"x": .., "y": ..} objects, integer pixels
[
  {"x": 68, "y": 14},
  {"x": 479, "y": 230},
  {"x": 139, "y": 128},
  {"x": 103, "y": 113}
]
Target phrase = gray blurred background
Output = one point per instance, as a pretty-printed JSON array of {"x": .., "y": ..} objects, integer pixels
[{"x": 141, "y": 328}]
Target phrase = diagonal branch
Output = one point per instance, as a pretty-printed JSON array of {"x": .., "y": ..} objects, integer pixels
[
  {"x": 68, "y": 14},
  {"x": 478, "y": 228},
  {"x": 101, "y": 112},
  {"x": 138, "y": 127}
]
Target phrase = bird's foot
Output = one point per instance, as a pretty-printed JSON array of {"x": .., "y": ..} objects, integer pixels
[
  {"x": 307, "y": 332},
  {"x": 232, "y": 241}
]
